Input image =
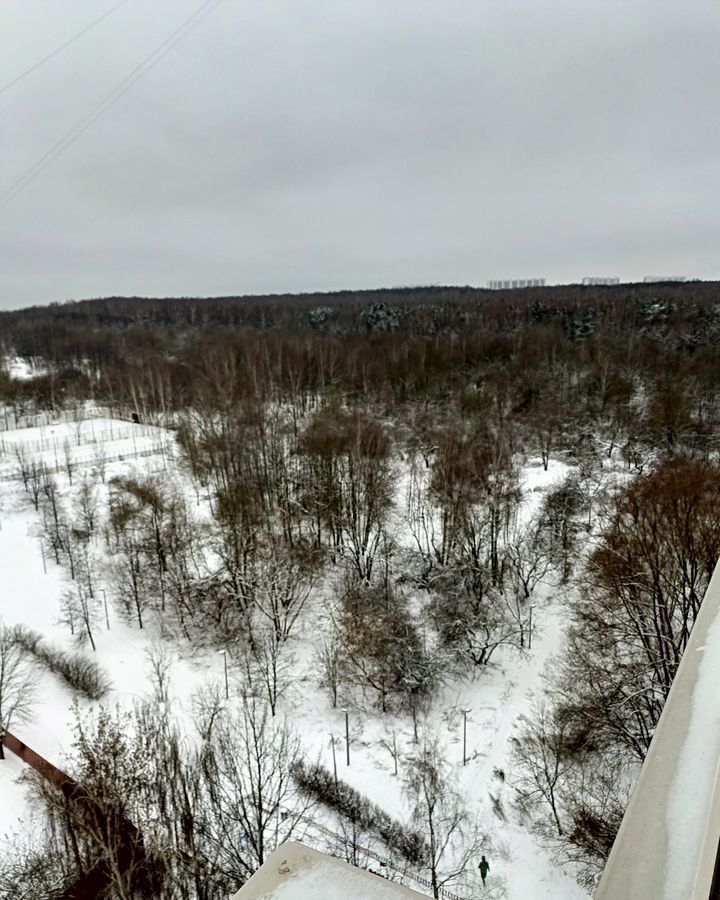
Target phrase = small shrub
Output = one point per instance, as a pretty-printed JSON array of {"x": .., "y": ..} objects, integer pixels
[
  {"x": 318, "y": 783},
  {"x": 81, "y": 674}
]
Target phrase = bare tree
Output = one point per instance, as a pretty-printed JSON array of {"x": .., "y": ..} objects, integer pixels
[
  {"x": 128, "y": 576},
  {"x": 474, "y": 484},
  {"x": 349, "y": 483},
  {"x": 139, "y": 814},
  {"x": 268, "y": 665},
  {"x": 629, "y": 625},
  {"x": 432, "y": 538},
  {"x": 30, "y": 868},
  {"x": 23, "y": 460},
  {"x": 160, "y": 661},
  {"x": 352, "y": 842},
  {"x": 526, "y": 563},
  {"x": 208, "y": 706},
  {"x": 99, "y": 461},
  {"x": 382, "y": 646},
  {"x": 440, "y": 813},
  {"x": 86, "y": 506},
  {"x": 37, "y": 473},
  {"x": 250, "y": 803},
  {"x": 329, "y": 660},
  {"x": 54, "y": 517},
  {"x": 470, "y": 614},
  {"x": 558, "y": 523},
  {"x": 114, "y": 770},
  {"x": 644, "y": 585},
  {"x": 591, "y": 482},
  {"x": 542, "y": 755},
  {"x": 80, "y": 608},
  {"x": 594, "y": 792},
  {"x": 390, "y": 742},
  {"x": 283, "y": 583},
  {"x": 68, "y": 460},
  {"x": 547, "y": 428},
  {"x": 17, "y": 684}
]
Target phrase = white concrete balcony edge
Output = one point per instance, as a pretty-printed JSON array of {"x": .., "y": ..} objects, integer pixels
[{"x": 667, "y": 844}]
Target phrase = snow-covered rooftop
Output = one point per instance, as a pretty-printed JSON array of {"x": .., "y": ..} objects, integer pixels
[{"x": 296, "y": 872}]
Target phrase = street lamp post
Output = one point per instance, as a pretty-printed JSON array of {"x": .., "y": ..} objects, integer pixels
[
  {"x": 347, "y": 736},
  {"x": 465, "y": 712},
  {"x": 107, "y": 617},
  {"x": 223, "y": 653}
]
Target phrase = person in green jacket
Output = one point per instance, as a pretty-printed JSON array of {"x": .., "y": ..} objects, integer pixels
[{"x": 484, "y": 868}]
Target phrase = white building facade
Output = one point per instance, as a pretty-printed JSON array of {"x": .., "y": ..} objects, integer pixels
[{"x": 510, "y": 284}]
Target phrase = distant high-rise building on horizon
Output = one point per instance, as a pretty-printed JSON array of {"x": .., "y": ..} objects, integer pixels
[
  {"x": 499, "y": 285},
  {"x": 650, "y": 279},
  {"x": 601, "y": 279}
]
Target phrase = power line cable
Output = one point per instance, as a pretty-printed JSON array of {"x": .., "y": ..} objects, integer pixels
[
  {"x": 131, "y": 79},
  {"x": 62, "y": 47},
  {"x": 123, "y": 87}
]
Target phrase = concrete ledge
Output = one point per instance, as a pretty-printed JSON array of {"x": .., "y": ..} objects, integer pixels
[
  {"x": 296, "y": 872},
  {"x": 668, "y": 840}
]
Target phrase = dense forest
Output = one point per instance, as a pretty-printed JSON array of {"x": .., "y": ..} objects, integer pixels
[
  {"x": 297, "y": 417},
  {"x": 549, "y": 359}
]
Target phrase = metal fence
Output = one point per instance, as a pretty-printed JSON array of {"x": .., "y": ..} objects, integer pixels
[
  {"x": 10, "y": 472},
  {"x": 10, "y": 421},
  {"x": 80, "y": 438},
  {"x": 402, "y": 872}
]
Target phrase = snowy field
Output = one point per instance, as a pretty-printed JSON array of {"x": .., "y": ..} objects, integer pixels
[{"x": 32, "y": 586}]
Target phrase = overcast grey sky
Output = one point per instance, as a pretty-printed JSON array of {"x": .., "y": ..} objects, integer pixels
[{"x": 293, "y": 145}]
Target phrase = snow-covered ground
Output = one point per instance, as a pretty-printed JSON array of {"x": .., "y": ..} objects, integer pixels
[
  {"x": 32, "y": 586},
  {"x": 494, "y": 701},
  {"x": 86, "y": 443},
  {"x": 21, "y": 369}
]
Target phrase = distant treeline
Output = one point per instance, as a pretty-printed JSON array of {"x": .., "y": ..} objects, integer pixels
[
  {"x": 582, "y": 356},
  {"x": 61, "y": 330}
]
